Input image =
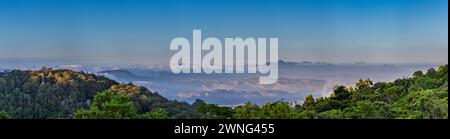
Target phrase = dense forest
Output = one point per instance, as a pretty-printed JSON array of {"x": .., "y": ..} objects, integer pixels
[
  {"x": 65, "y": 94},
  {"x": 50, "y": 94}
]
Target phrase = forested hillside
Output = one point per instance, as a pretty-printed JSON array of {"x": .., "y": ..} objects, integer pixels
[
  {"x": 48, "y": 93},
  {"x": 423, "y": 96}
]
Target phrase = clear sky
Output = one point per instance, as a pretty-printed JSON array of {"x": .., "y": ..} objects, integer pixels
[{"x": 138, "y": 31}]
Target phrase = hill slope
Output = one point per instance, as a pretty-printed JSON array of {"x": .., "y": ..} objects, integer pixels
[
  {"x": 423, "y": 96},
  {"x": 48, "y": 93}
]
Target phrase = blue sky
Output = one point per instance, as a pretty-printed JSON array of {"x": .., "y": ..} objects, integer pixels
[{"x": 139, "y": 31}]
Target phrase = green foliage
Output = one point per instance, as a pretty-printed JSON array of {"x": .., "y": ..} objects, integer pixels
[
  {"x": 276, "y": 110},
  {"x": 363, "y": 84},
  {"x": 427, "y": 83},
  {"x": 247, "y": 111},
  {"x": 4, "y": 115},
  {"x": 425, "y": 104},
  {"x": 329, "y": 104},
  {"x": 48, "y": 93},
  {"x": 146, "y": 101},
  {"x": 212, "y": 111},
  {"x": 424, "y": 96},
  {"x": 331, "y": 114},
  {"x": 367, "y": 110},
  {"x": 112, "y": 104},
  {"x": 109, "y": 105},
  {"x": 340, "y": 93},
  {"x": 157, "y": 114}
]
